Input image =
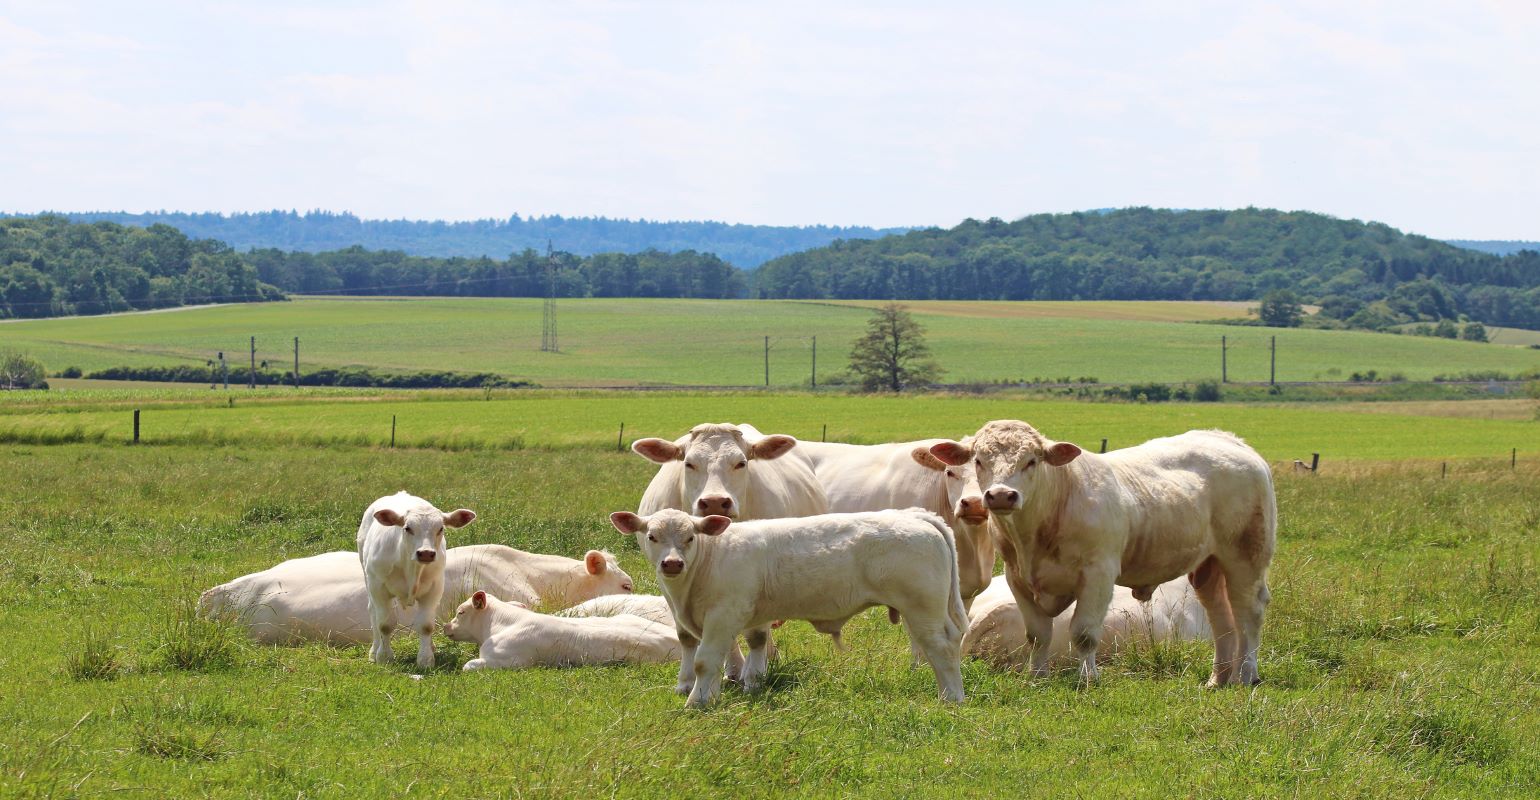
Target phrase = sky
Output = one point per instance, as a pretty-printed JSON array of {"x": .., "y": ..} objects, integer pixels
[{"x": 1421, "y": 115}]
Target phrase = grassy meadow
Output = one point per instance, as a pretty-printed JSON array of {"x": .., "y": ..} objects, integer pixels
[
  {"x": 721, "y": 343},
  {"x": 1400, "y": 657}
]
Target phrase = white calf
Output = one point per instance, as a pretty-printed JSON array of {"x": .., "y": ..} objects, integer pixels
[
  {"x": 823, "y": 569},
  {"x": 514, "y": 637},
  {"x": 401, "y": 547}
]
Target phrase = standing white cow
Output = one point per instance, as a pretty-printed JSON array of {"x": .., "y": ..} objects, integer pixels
[
  {"x": 907, "y": 475},
  {"x": 401, "y": 547},
  {"x": 513, "y": 637},
  {"x": 323, "y": 598},
  {"x": 996, "y": 634},
  {"x": 1073, "y": 524},
  {"x": 823, "y": 569}
]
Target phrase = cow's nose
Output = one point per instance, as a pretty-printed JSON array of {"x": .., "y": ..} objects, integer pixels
[
  {"x": 715, "y": 505},
  {"x": 671, "y": 566},
  {"x": 971, "y": 509},
  {"x": 426, "y": 556},
  {"x": 1001, "y": 499}
]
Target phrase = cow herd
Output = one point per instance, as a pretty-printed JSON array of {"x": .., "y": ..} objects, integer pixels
[{"x": 1169, "y": 539}]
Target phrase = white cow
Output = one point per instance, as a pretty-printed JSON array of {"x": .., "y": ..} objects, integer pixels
[
  {"x": 823, "y": 569},
  {"x": 322, "y": 598},
  {"x": 513, "y": 637},
  {"x": 401, "y": 547},
  {"x": 647, "y": 606},
  {"x": 997, "y": 635},
  {"x": 907, "y": 475},
  {"x": 1073, "y": 524}
]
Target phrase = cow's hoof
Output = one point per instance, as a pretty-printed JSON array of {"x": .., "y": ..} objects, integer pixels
[{"x": 684, "y": 689}]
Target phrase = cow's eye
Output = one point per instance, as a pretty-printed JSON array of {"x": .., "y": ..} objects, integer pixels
[
  {"x": 978, "y": 463},
  {"x": 691, "y": 539},
  {"x": 688, "y": 465},
  {"x": 741, "y": 465},
  {"x": 951, "y": 474},
  {"x": 651, "y": 538},
  {"x": 1031, "y": 464}
]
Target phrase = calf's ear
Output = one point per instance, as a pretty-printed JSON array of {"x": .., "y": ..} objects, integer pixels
[
  {"x": 388, "y": 518},
  {"x": 660, "y": 451},
  {"x": 953, "y": 454},
  {"x": 479, "y": 600},
  {"x": 626, "y": 522},
  {"x": 1061, "y": 453},
  {"x": 772, "y": 447},
  {"x": 713, "y": 525},
  {"x": 459, "y": 518},
  {"x": 594, "y": 562},
  {"x": 926, "y": 459}
]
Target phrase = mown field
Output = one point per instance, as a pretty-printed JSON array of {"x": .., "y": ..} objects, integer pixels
[
  {"x": 1400, "y": 657},
  {"x": 721, "y": 343},
  {"x": 546, "y": 420}
]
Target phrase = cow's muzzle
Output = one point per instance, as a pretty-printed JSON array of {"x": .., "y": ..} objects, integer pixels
[
  {"x": 719, "y": 505},
  {"x": 1002, "y": 499},
  {"x": 426, "y": 556},
  {"x": 972, "y": 511},
  {"x": 671, "y": 567}
]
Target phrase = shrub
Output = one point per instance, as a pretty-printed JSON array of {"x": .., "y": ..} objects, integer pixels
[
  {"x": 70, "y": 372},
  {"x": 352, "y": 377},
  {"x": 1207, "y": 392},
  {"x": 21, "y": 371}
]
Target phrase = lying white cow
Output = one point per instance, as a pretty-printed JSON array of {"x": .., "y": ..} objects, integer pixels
[
  {"x": 646, "y": 606},
  {"x": 401, "y": 547},
  {"x": 513, "y": 637},
  {"x": 322, "y": 598},
  {"x": 997, "y": 635},
  {"x": 906, "y": 475},
  {"x": 1073, "y": 524},
  {"x": 823, "y": 569}
]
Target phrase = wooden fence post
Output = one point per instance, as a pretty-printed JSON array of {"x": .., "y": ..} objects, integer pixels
[
  {"x": 1104, "y": 446},
  {"x": 620, "y": 446},
  {"x": 1315, "y": 461},
  {"x": 392, "y": 430},
  {"x": 136, "y": 426}
]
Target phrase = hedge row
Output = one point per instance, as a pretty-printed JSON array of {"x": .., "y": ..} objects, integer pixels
[{"x": 319, "y": 377}]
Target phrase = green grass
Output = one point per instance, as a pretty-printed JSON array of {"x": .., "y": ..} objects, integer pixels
[
  {"x": 1399, "y": 658},
  {"x": 721, "y": 343},
  {"x": 546, "y": 420}
]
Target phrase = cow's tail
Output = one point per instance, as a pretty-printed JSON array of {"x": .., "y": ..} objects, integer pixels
[{"x": 957, "y": 615}]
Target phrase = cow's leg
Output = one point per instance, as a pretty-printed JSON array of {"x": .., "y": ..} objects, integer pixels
[
  {"x": 716, "y": 639},
  {"x": 382, "y": 623},
  {"x": 758, "y": 663},
  {"x": 1038, "y": 623},
  {"x": 1090, "y": 617},
  {"x": 927, "y": 629},
  {"x": 735, "y": 664},
  {"x": 687, "y": 647},
  {"x": 475, "y": 664},
  {"x": 422, "y": 624},
  {"x": 1248, "y": 595},
  {"x": 1208, "y": 582}
]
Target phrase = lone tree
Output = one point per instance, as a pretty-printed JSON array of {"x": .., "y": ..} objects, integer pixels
[
  {"x": 20, "y": 371},
  {"x": 1281, "y": 309},
  {"x": 893, "y": 354}
]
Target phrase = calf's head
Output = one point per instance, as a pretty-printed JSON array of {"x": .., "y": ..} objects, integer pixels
[
  {"x": 1010, "y": 459},
  {"x": 423, "y": 530},
  {"x": 472, "y": 621},
  {"x": 715, "y": 478},
  {"x": 668, "y": 537},
  {"x": 601, "y": 575}
]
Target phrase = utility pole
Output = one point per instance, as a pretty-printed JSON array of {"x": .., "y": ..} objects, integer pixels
[
  {"x": 296, "y": 362},
  {"x": 1224, "y": 362},
  {"x": 548, "y": 342},
  {"x": 815, "y": 362},
  {"x": 1272, "y": 370},
  {"x": 253, "y": 374},
  {"x": 767, "y": 362}
]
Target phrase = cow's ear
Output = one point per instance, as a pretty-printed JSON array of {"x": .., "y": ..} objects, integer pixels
[
  {"x": 388, "y": 518},
  {"x": 626, "y": 522},
  {"x": 459, "y": 518},
  {"x": 1061, "y": 453},
  {"x": 926, "y": 459},
  {"x": 953, "y": 454},
  {"x": 479, "y": 600},
  {"x": 594, "y": 562},
  {"x": 659, "y": 451},
  {"x": 713, "y": 525},
  {"x": 772, "y": 447}
]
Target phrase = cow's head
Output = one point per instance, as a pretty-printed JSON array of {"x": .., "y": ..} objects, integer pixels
[
  {"x": 669, "y": 538},
  {"x": 1010, "y": 459},
  {"x": 423, "y": 529},
  {"x": 715, "y": 478},
  {"x": 472, "y": 621},
  {"x": 960, "y": 485},
  {"x": 601, "y": 574}
]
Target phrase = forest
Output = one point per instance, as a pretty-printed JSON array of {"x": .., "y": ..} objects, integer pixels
[
  {"x": 319, "y": 231},
  {"x": 1364, "y": 274}
]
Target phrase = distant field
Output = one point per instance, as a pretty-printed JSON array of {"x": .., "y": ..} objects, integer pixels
[
  {"x": 721, "y": 343},
  {"x": 584, "y": 420}
]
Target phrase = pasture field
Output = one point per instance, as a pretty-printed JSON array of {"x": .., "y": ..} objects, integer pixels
[
  {"x": 547, "y": 420},
  {"x": 1401, "y": 657},
  {"x": 721, "y": 343}
]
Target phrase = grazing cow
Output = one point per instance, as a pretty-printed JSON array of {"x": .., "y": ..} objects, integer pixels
[
  {"x": 1073, "y": 524},
  {"x": 823, "y": 569},
  {"x": 322, "y": 598},
  {"x": 907, "y": 475},
  {"x": 401, "y": 547},
  {"x": 996, "y": 634},
  {"x": 513, "y": 637}
]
